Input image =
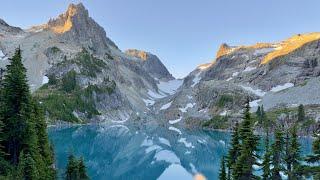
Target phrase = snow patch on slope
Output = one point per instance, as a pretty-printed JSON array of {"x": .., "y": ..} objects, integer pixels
[
  {"x": 189, "y": 105},
  {"x": 171, "y": 128},
  {"x": 166, "y": 106},
  {"x": 196, "y": 79},
  {"x": 282, "y": 87},
  {"x": 249, "y": 68},
  {"x": 175, "y": 121},
  {"x": 257, "y": 92},
  {"x": 254, "y": 103},
  {"x": 170, "y": 87},
  {"x": 185, "y": 142},
  {"x": 45, "y": 80}
]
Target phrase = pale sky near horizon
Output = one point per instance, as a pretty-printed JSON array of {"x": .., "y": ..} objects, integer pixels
[{"x": 182, "y": 33}]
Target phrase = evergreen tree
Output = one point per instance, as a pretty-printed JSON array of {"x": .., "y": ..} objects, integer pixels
[
  {"x": 15, "y": 113},
  {"x": 293, "y": 155},
  {"x": 25, "y": 140},
  {"x": 248, "y": 148},
  {"x": 72, "y": 170},
  {"x": 82, "y": 170},
  {"x": 266, "y": 160},
  {"x": 277, "y": 150},
  {"x": 233, "y": 151},
  {"x": 258, "y": 112},
  {"x": 223, "y": 175},
  {"x": 45, "y": 150},
  {"x": 315, "y": 158},
  {"x": 27, "y": 167},
  {"x": 301, "y": 113}
]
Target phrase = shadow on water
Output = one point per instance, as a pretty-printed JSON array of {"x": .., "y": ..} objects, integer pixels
[{"x": 122, "y": 152}]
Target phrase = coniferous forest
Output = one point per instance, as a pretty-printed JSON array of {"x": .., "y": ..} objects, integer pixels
[
  {"x": 281, "y": 157},
  {"x": 25, "y": 151}
]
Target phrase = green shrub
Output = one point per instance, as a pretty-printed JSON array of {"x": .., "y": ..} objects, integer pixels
[
  {"x": 69, "y": 82},
  {"x": 217, "y": 122},
  {"x": 223, "y": 100}
]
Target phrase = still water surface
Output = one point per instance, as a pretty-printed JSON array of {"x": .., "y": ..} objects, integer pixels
[{"x": 124, "y": 152}]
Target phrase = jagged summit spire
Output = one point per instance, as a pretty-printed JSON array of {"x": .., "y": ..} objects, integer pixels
[
  {"x": 67, "y": 20},
  {"x": 75, "y": 25}
]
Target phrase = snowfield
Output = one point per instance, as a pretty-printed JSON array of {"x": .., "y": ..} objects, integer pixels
[
  {"x": 249, "y": 68},
  {"x": 254, "y": 103},
  {"x": 1, "y": 54},
  {"x": 171, "y": 128},
  {"x": 175, "y": 121},
  {"x": 257, "y": 92},
  {"x": 148, "y": 102},
  {"x": 196, "y": 79},
  {"x": 185, "y": 142},
  {"x": 45, "y": 80},
  {"x": 166, "y": 106},
  {"x": 164, "y": 141},
  {"x": 189, "y": 105},
  {"x": 282, "y": 87},
  {"x": 170, "y": 87},
  {"x": 155, "y": 95}
]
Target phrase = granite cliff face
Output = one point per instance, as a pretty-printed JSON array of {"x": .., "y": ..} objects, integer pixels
[
  {"x": 72, "y": 59},
  {"x": 150, "y": 63}
]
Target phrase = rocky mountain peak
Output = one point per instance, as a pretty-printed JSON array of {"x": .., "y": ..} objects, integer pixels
[
  {"x": 151, "y": 63},
  {"x": 6, "y": 28},
  {"x": 75, "y": 25},
  {"x": 65, "y": 21},
  {"x": 224, "y": 49}
]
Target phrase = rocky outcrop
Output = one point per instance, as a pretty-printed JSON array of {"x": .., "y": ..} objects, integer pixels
[
  {"x": 7, "y": 29},
  {"x": 150, "y": 63}
]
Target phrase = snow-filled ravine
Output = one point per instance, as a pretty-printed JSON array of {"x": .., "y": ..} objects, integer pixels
[{"x": 147, "y": 152}]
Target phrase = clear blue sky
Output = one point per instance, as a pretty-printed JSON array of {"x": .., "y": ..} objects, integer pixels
[{"x": 183, "y": 33}]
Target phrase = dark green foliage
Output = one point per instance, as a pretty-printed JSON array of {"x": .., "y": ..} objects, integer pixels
[
  {"x": 82, "y": 170},
  {"x": 243, "y": 168},
  {"x": 233, "y": 151},
  {"x": 76, "y": 169},
  {"x": 277, "y": 155},
  {"x": 27, "y": 168},
  {"x": 301, "y": 113},
  {"x": 293, "y": 156},
  {"x": 222, "y": 174},
  {"x": 55, "y": 49},
  {"x": 266, "y": 160},
  {"x": 25, "y": 140},
  {"x": 217, "y": 122},
  {"x": 72, "y": 170},
  {"x": 90, "y": 65},
  {"x": 223, "y": 100},
  {"x": 15, "y": 109},
  {"x": 315, "y": 158},
  {"x": 65, "y": 97},
  {"x": 52, "y": 80},
  {"x": 69, "y": 81}
]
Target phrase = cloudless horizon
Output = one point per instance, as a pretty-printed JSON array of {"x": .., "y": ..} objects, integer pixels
[{"x": 182, "y": 34}]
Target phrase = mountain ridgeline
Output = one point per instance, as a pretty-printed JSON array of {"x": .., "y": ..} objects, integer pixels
[{"x": 79, "y": 75}]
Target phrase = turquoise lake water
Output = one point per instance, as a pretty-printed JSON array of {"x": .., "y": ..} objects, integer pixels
[{"x": 123, "y": 152}]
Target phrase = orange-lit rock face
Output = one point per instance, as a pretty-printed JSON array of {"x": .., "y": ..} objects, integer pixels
[
  {"x": 64, "y": 22},
  {"x": 136, "y": 53},
  {"x": 223, "y": 50},
  {"x": 199, "y": 177},
  {"x": 290, "y": 45}
]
